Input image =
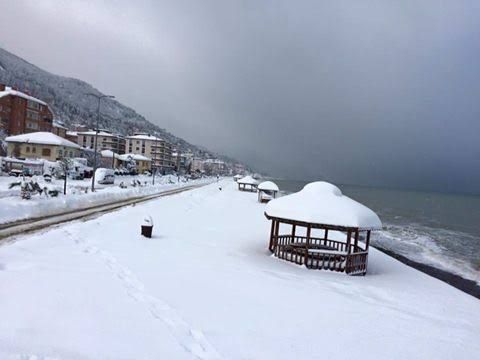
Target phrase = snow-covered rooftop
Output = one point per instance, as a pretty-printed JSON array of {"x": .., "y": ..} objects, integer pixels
[
  {"x": 247, "y": 180},
  {"x": 268, "y": 186},
  {"x": 59, "y": 124},
  {"x": 41, "y": 137},
  {"x": 137, "y": 157},
  {"x": 323, "y": 203},
  {"x": 9, "y": 91},
  {"x": 238, "y": 176},
  {"x": 109, "y": 154},
  {"x": 100, "y": 133},
  {"x": 144, "y": 137},
  {"x": 214, "y": 161},
  {"x": 72, "y": 133}
]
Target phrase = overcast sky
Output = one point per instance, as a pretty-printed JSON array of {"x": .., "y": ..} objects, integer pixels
[{"x": 361, "y": 92}]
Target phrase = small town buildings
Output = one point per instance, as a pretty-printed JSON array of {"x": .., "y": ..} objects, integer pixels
[
  {"x": 108, "y": 159},
  {"x": 142, "y": 163},
  {"x": 152, "y": 147},
  {"x": 106, "y": 141},
  {"x": 326, "y": 230},
  {"x": 41, "y": 145},
  {"x": 214, "y": 167},
  {"x": 247, "y": 183},
  {"x": 182, "y": 161},
  {"x": 21, "y": 113},
  {"x": 72, "y": 136},
  {"x": 59, "y": 129},
  {"x": 267, "y": 191},
  {"x": 197, "y": 165}
]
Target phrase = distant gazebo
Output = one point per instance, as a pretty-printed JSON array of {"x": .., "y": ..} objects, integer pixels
[
  {"x": 327, "y": 230},
  {"x": 267, "y": 191},
  {"x": 247, "y": 183},
  {"x": 237, "y": 177}
]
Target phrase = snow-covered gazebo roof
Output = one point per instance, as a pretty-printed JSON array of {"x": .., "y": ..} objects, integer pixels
[
  {"x": 238, "y": 176},
  {"x": 42, "y": 138},
  {"x": 324, "y": 204},
  {"x": 268, "y": 186},
  {"x": 248, "y": 180}
]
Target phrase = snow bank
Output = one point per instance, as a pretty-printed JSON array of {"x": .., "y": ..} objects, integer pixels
[
  {"x": 13, "y": 208},
  {"x": 205, "y": 287},
  {"x": 323, "y": 203}
]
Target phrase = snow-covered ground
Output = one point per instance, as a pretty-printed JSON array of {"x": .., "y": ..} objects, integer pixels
[
  {"x": 205, "y": 287},
  {"x": 12, "y": 207}
]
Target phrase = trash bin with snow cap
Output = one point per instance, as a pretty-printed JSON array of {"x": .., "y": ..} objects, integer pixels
[{"x": 147, "y": 227}]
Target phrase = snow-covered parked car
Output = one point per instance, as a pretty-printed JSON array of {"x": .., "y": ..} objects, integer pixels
[{"x": 104, "y": 176}]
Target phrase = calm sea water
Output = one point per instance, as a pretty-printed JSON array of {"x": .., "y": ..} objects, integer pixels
[{"x": 442, "y": 230}]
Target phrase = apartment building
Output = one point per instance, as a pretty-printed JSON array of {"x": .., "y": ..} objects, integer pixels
[
  {"x": 106, "y": 141},
  {"x": 41, "y": 145},
  {"x": 21, "y": 113},
  {"x": 159, "y": 150}
]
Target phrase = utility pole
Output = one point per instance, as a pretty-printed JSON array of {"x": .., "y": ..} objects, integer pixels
[
  {"x": 113, "y": 160},
  {"x": 154, "y": 167},
  {"x": 99, "y": 98}
]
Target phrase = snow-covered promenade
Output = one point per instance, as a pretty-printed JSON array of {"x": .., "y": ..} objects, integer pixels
[{"x": 206, "y": 287}]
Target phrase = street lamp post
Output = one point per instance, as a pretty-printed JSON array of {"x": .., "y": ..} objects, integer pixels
[
  {"x": 99, "y": 98},
  {"x": 154, "y": 167}
]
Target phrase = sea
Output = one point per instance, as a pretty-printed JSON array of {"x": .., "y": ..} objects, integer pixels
[{"x": 437, "y": 229}]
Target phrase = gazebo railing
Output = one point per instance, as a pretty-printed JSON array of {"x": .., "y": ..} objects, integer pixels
[{"x": 321, "y": 253}]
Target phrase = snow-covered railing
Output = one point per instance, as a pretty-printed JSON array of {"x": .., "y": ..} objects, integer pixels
[{"x": 321, "y": 253}]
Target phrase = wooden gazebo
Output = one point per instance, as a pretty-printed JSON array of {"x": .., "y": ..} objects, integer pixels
[
  {"x": 267, "y": 191},
  {"x": 324, "y": 229},
  {"x": 237, "y": 177},
  {"x": 247, "y": 183}
]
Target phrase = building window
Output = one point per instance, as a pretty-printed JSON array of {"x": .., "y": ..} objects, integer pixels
[
  {"x": 32, "y": 125},
  {"x": 28, "y": 149},
  {"x": 33, "y": 105},
  {"x": 34, "y": 149},
  {"x": 46, "y": 152},
  {"x": 32, "y": 115}
]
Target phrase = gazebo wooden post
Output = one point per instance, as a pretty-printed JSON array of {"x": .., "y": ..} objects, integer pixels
[
  {"x": 275, "y": 239},
  {"x": 367, "y": 242},
  {"x": 349, "y": 238},
  {"x": 356, "y": 240},
  {"x": 272, "y": 229},
  {"x": 307, "y": 244},
  {"x": 293, "y": 233}
]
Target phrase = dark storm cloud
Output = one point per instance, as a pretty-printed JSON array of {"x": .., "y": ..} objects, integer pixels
[{"x": 379, "y": 93}]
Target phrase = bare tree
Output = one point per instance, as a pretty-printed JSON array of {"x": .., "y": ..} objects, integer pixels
[{"x": 65, "y": 165}]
